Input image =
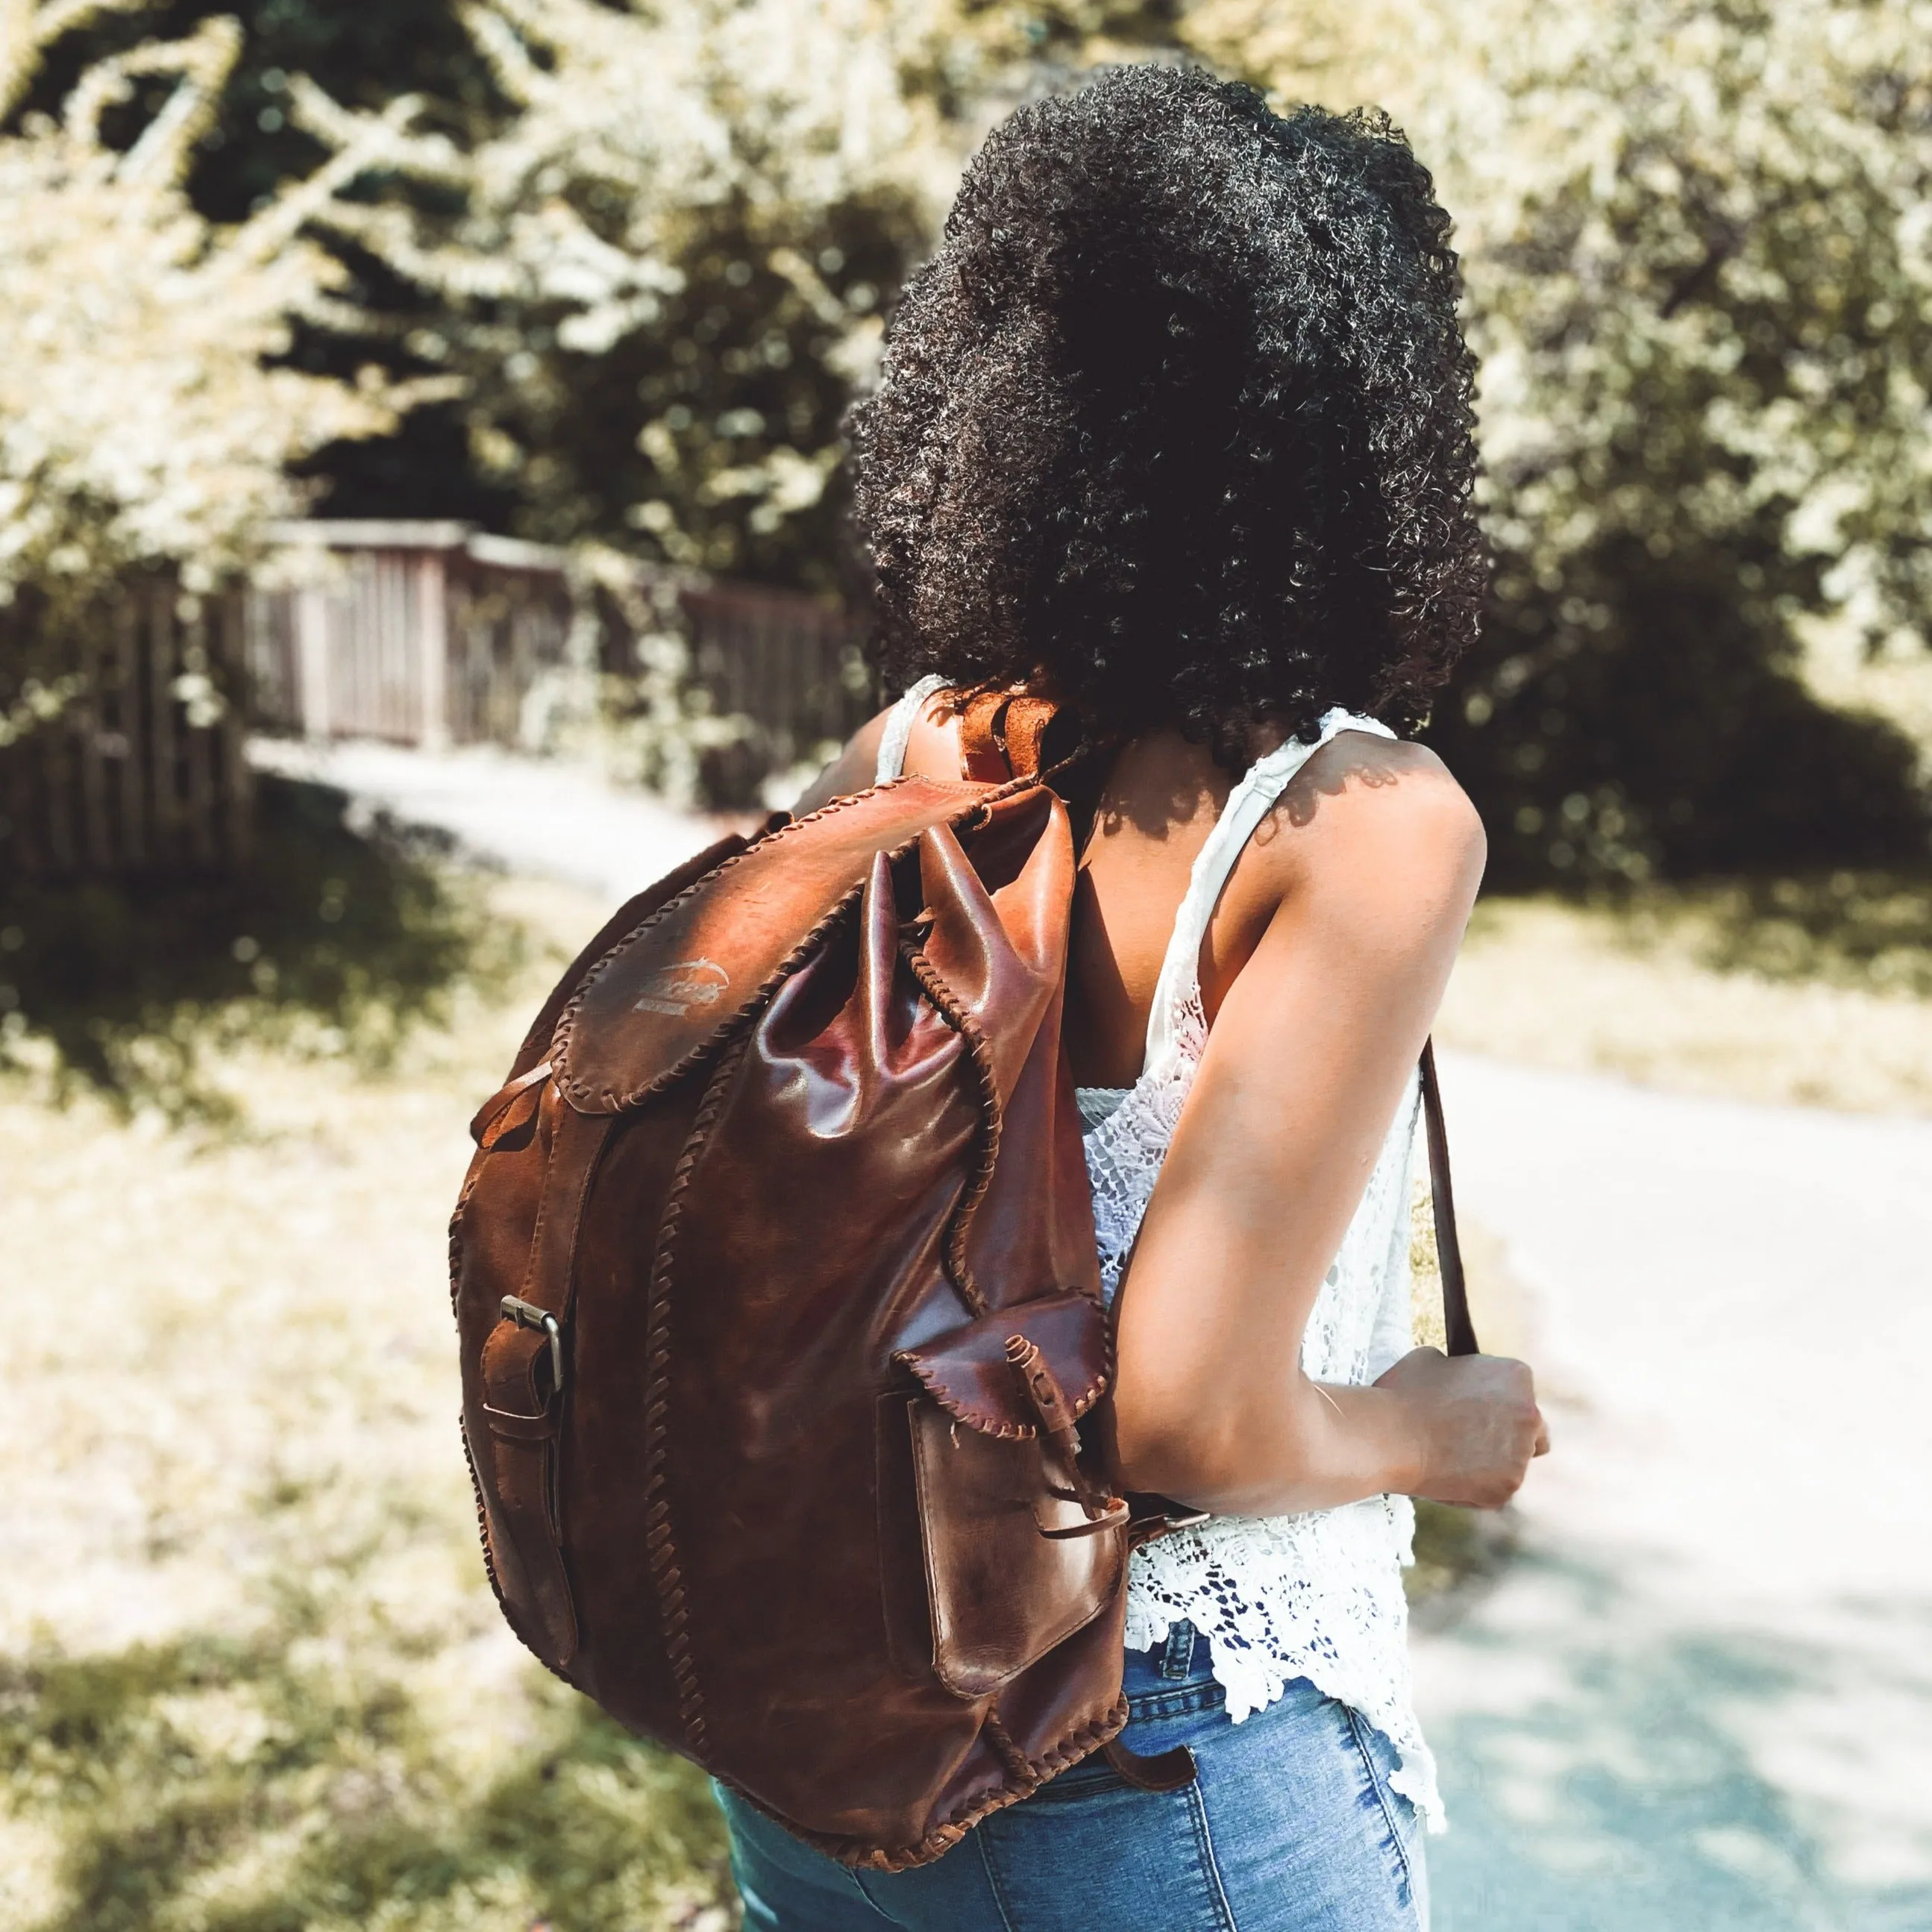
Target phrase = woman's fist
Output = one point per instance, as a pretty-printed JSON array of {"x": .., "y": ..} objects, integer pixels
[{"x": 1476, "y": 1424}]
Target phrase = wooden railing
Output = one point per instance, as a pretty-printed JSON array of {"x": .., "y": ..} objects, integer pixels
[
  {"x": 427, "y": 634},
  {"x": 420, "y": 633},
  {"x": 138, "y": 765},
  {"x": 432, "y": 634}
]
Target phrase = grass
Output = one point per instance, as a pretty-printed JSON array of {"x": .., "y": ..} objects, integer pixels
[
  {"x": 251, "y": 1677},
  {"x": 1814, "y": 992},
  {"x": 299, "y": 1780},
  {"x": 334, "y": 941},
  {"x": 251, "y": 1674}
]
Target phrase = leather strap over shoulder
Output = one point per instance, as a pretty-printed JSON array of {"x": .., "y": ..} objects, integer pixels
[
  {"x": 1006, "y": 734},
  {"x": 983, "y": 751},
  {"x": 1459, "y": 1330}
]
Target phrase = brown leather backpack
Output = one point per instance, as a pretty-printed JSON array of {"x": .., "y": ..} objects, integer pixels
[{"x": 778, "y": 1305}]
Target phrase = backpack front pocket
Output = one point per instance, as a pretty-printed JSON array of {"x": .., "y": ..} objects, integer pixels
[{"x": 1011, "y": 1567}]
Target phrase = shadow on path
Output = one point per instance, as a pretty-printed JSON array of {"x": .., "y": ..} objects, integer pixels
[{"x": 1607, "y": 1772}]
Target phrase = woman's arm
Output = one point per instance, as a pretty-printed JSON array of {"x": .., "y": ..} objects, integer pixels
[{"x": 1376, "y": 866}]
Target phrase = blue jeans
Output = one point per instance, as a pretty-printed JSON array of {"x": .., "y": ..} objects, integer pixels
[{"x": 1290, "y": 1827}]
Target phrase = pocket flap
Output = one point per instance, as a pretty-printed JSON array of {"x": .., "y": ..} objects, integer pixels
[
  {"x": 966, "y": 1372},
  {"x": 666, "y": 992}
]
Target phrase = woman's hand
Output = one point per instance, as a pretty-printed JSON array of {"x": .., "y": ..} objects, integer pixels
[{"x": 1476, "y": 1425}]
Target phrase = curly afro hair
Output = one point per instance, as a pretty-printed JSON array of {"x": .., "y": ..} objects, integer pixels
[{"x": 1178, "y": 422}]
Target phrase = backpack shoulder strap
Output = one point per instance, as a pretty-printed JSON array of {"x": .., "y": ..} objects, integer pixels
[{"x": 1459, "y": 1330}]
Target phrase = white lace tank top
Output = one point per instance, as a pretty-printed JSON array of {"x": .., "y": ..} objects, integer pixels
[{"x": 1316, "y": 1596}]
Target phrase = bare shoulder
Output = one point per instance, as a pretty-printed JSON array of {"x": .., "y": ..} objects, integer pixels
[
  {"x": 855, "y": 768},
  {"x": 1372, "y": 822},
  {"x": 1360, "y": 787},
  {"x": 932, "y": 750}
]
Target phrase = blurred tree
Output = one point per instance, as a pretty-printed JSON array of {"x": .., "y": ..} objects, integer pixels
[
  {"x": 668, "y": 269},
  {"x": 143, "y": 424},
  {"x": 1697, "y": 236},
  {"x": 655, "y": 249},
  {"x": 365, "y": 57}
]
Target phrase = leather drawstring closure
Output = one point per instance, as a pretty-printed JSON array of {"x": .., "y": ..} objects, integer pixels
[{"x": 1043, "y": 1391}]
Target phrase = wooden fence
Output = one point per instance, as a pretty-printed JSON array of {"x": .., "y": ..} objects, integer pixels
[
  {"x": 790, "y": 666},
  {"x": 423, "y": 634},
  {"x": 138, "y": 766},
  {"x": 426, "y": 634},
  {"x": 432, "y": 634}
]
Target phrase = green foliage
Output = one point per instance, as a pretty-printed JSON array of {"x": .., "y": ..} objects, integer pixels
[
  {"x": 654, "y": 253},
  {"x": 274, "y": 1784},
  {"x": 710, "y": 438},
  {"x": 1871, "y": 931},
  {"x": 328, "y": 941},
  {"x": 1700, "y": 280},
  {"x": 363, "y": 56},
  {"x": 659, "y": 277},
  {"x": 1643, "y": 721},
  {"x": 148, "y": 420}
]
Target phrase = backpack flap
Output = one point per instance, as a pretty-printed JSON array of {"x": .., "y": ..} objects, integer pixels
[
  {"x": 969, "y": 1373},
  {"x": 661, "y": 998},
  {"x": 1015, "y": 1560}
]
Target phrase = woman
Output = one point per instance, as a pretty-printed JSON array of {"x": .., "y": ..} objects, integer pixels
[{"x": 1177, "y": 427}]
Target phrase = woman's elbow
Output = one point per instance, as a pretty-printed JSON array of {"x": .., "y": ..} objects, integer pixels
[{"x": 1205, "y": 1460}]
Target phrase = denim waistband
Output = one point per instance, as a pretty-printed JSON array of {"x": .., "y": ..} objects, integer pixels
[{"x": 1173, "y": 1679}]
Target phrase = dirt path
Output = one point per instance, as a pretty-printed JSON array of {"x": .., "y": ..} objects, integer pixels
[
  {"x": 543, "y": 817},
  {"x": 1702, "y": 1697}
]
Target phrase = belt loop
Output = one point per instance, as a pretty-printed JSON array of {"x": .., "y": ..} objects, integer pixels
[{"x": 1177, "y": 1658}]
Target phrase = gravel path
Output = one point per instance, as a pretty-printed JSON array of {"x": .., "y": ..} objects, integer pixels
[{"x": 1700, "y": 1699}]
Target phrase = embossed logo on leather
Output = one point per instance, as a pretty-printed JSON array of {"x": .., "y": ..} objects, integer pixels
[{"x": 685, "y": 983}]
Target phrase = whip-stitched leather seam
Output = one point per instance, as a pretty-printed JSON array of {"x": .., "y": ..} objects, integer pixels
[
  {"x": 727, "y": 1028},
  {"x": 979, "y": 1057},
  {"x": 1076, "y": 1746},
  {"x": 1011, "y": 1756},
  {"x": 744, "y": 1018},
  {"x": 560, "y": 1039},
  {"x": 667, "y": 1577},
  {"x": 992, "y": 1425},
  {"x": 489, "y": 1559},
  {"x": 483, "y": 1522},
  {"x": 469, "y": 1181}
]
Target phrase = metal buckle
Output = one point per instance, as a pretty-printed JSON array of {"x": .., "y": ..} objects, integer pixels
[{"x": 528, "y": 1315}]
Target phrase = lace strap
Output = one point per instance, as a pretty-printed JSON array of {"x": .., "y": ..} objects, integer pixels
[
  {"x": 898, "y": 735},
  {"x": 1248, "y": 804}
]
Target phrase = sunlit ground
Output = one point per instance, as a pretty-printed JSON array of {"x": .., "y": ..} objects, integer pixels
[{"x": 252, "y": 1676}]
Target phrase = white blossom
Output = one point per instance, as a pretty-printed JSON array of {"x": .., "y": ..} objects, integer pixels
[{"x": 144, "y": 420}]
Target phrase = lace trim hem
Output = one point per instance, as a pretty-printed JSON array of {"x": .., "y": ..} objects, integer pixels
[{"x": 1346, "y": 1632}]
